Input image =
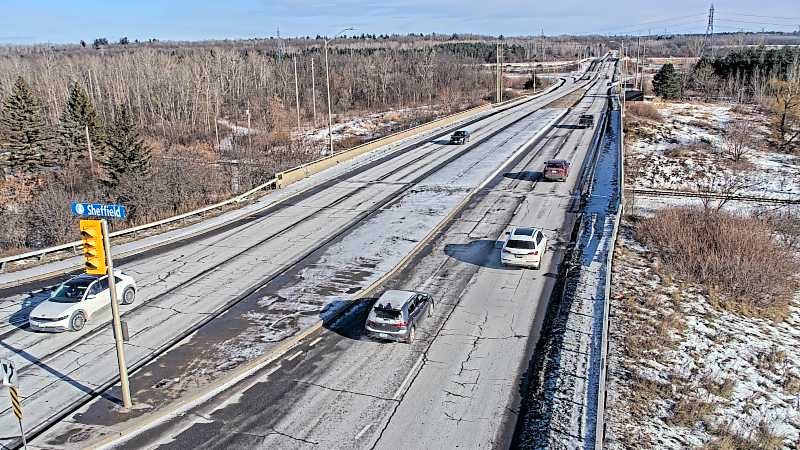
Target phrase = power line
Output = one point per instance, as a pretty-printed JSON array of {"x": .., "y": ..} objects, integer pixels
[
  {"x": 759, "y": 23},
  {"x": 763, "y": 17}
]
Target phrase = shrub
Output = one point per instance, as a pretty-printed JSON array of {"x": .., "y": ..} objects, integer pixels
[
  {"x": 737, "y": 255},
  {"x": 643, "y": 110}
]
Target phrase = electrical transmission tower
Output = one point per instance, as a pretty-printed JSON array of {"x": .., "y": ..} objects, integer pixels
[{"x": 708, "y": 42}]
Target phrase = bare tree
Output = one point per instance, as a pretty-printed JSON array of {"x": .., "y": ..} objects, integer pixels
[{"x": 737, "y": 138}]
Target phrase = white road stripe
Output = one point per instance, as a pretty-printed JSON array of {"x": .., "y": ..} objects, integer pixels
[
  {"x": 315, "y": 341},
  {"x": 410, "y": 375},
  {"x": 363, "y": 430},
  {"x": 299, "y": 352}
]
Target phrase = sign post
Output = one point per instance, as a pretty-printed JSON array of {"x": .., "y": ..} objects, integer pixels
[
  {"x": 9, "y": 374},
  {"x": 112, "y": 286},
  {"x": 104, "y": 251}
]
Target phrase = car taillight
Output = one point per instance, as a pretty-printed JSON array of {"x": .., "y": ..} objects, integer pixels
[
  {"x": 400, "y": 325},
  {"x": 534, "y": 253}
]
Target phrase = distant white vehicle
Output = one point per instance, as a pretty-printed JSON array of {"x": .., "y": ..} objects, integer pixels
[
  {"x": 78, "y": 299},
  {"x": 524, "y": 247}
]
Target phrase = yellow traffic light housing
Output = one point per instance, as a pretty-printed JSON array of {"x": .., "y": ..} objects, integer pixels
[{"x": 93, "y": 249}]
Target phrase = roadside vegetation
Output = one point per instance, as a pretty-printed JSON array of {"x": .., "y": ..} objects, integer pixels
[
  {"x": 727, "y": 253},
  {"x": 706, "y": 293}
]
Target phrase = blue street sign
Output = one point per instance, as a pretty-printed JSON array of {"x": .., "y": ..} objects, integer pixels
[{"x": 98, "y": 210}]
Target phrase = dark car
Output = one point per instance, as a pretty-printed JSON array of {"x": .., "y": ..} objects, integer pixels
[
  {"x": 396, "y": 315},
  {"x": 556, "y": 170},
  {"x": 586, "y": 120},
  {"x": 460, "y": 137}
]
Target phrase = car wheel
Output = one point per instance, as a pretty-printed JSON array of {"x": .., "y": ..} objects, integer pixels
[
  {"x": 128, "y": 296},
  {"x": 412, "y": 334},
  {"x": 78, "y": 321}
]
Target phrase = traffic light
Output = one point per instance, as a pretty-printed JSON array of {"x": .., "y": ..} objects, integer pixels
[{"x": 93, "y": 250}]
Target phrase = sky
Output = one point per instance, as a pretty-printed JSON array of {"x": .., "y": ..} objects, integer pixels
[{"x": 69, "y": 21}]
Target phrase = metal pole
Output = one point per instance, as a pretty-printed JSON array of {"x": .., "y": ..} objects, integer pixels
[
  {"x": 313, "y": 93},
  {"x": 123, "y": 369},
  {"x": 296, "y": 92},
  {"x": 22, "y": 433},
  {"x": 497, "y": 74},
  {"x": 89, "y": 148},
  {"x": 249, "y": 131},
  {"x": 328, "y": 83}
]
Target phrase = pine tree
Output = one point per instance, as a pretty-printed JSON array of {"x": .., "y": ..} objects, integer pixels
[
  {"x": 128, "y": 155},
  {"x": 26, "y": 134},
  {"x": 667, "y": 82},
  {"x": 79, "y": 114}
]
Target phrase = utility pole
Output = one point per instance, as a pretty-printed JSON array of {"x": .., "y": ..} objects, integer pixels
[
  {"x": 328, "y": 83},
  {"x": 313, "y": 93},
  {"x": 123, "y": 368},
  {"x": 249, "y": 131},
  {"x": 636, "y": 74},
  {"x": 89, "y": 148},
  {"x": 499, "y": 97},
  {"x": 296, "y": 91}
]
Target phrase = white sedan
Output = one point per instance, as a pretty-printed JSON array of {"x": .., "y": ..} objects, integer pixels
[{"x": 78, "y": 299}]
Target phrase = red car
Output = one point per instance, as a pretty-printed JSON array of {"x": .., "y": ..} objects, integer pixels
[{"x": 556, "y": 170}]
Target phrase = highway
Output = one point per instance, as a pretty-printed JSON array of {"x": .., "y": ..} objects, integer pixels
[
  {"x": 285, "y": 266},
  {"x": 458, "y": 385}
]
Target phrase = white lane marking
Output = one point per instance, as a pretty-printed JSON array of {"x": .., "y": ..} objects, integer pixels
[
  {"x": 363, "y": 430},
  {"x": 273, "y": 370},
  {"x": 299, "y": 352},
  {"x": 410, "y": 375},
  {"x": 315, "y": 341}
]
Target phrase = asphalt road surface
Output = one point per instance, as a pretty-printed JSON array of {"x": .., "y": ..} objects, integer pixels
[
  {"x": 188, "y": 284},
  {"x": 458, "y": 385}
]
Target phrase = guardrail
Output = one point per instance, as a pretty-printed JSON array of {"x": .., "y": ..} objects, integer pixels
[
  {"x": 75, "y": 245},
  {"x": 711, "y": 195},
  {"x": 282, "y": 179},
  {"x": 600, "y": 429},
  {"x": 302, "y": 171}
]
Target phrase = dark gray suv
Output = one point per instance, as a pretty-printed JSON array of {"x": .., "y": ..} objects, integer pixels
[{"x": 397, "y": 314}]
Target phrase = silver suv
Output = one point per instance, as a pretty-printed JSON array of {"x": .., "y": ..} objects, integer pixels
[{"x": 397, "y": 314}]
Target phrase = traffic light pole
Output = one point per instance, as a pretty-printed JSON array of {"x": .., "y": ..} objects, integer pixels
[{"x": 112, "y": 286}]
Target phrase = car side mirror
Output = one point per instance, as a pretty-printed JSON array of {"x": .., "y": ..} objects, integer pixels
[{"x": 91, "y": 296}]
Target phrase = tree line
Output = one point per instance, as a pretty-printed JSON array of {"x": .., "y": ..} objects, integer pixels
[
  {"x": 152, "y": 121},
  {"x": 769, "y": 77}
]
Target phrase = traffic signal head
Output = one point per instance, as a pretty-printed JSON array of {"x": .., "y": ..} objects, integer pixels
[{"x": 93, "y": 249}]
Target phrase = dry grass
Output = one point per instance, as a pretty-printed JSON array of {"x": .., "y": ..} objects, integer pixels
[
  {"x": 690, "y": 410},
  {"x": 763, "y": 437},
  {"x": 726, "y": 252},
  {"x": 721, "y": 388},
  {"x": 643, "y": 110}
]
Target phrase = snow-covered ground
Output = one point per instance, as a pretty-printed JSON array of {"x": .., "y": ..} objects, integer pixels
[
  {"x": 683, "y": 371},
  {"x": 367, "y": 126},
  {"x": 685, "y": 151}
]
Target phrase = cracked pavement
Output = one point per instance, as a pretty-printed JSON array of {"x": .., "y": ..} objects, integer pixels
[{"x": 458, "y": 385}]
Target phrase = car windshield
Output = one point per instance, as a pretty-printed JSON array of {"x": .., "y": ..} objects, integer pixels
[
  {"x": 524, "y": 245},
  {"x": 72, "y": 291},
  {"x": 459, "y": 133}
]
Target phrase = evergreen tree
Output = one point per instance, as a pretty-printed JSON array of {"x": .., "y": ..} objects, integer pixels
[
  {"x": 667, "y": 82},
  {"x": 128, "y": 155},
  {"x": 26, "y": 134},
  {"x": 79, "y": 114}
]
